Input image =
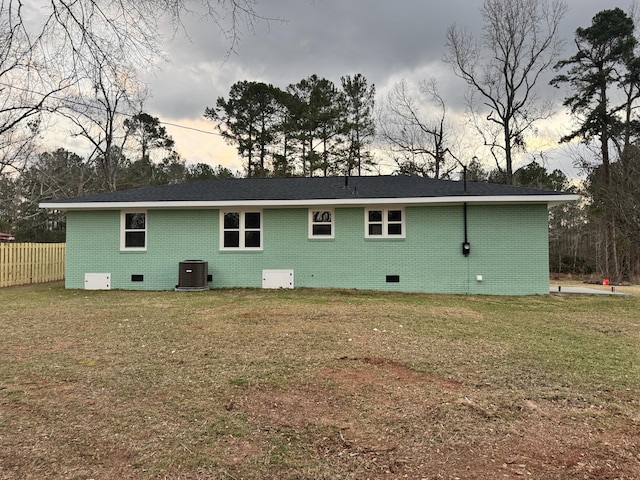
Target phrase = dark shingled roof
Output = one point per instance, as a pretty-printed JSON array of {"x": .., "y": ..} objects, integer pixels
[{"x": 316, "y": 188}]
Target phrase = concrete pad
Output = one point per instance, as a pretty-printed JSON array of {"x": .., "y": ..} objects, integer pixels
[{"x": 564, "y": 290}]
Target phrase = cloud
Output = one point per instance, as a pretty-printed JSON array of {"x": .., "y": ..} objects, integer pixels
[{"x": 385, "y": 41}]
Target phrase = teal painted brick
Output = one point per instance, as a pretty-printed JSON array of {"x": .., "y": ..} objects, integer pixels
[
  {"x": 93, "y": 239},
  {"x": 509, "y": 248}
]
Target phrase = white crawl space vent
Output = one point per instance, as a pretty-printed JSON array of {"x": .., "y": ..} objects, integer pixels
[
  {"x": 277, "y": 279},
  {"x": 97, "y": 281}
]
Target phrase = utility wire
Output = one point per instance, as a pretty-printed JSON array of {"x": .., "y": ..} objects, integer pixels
[
  {"x": 189, "y": 128},
  {"x": 131, "y": 115}
]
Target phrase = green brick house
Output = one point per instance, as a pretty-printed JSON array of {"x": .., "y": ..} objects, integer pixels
[{"x": 396, "y": 233}]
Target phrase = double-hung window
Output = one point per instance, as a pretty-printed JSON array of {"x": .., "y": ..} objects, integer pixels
[
  {"x": 133, "y": 230},
  {"x": 321, "y": 224},
  {"x": 241, "y": 230},
  {"x": 384, "y": 223}
]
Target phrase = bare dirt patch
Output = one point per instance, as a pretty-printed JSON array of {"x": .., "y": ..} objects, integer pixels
[{"x": 381, "y": 418}]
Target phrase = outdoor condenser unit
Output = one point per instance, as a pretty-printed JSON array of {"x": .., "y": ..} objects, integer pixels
[{"x": 192, "y": 275}]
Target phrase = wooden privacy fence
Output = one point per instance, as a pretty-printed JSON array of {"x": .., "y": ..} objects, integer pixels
[{"x": 22, "y": 263}]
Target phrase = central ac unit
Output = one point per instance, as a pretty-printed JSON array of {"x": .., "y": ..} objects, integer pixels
[{"x": 192, "y": 275}]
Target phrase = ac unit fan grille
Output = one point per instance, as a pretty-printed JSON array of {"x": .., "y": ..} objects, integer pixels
[{"x": 193, "y": 274}]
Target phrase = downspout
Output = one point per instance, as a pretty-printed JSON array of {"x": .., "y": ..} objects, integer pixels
[
  {"x": 466, "y": 248},
  {"x": 465, "y": 245}
]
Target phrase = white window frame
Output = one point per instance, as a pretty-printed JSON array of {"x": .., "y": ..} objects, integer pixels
[
  {"x": 385, "y": 222},
  {"x": 124, "y": 230},
  {"x": 242, "y": 229},
  {"x": 331, "y": 223}
]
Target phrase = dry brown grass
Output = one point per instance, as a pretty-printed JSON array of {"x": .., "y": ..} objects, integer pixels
[{"x": 312, "y": 384}]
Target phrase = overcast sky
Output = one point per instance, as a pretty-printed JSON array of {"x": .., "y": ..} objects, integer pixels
[{"x": 384, "y": 40}]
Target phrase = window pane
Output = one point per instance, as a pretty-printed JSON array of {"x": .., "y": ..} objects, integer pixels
[
  {"x": 231, "y": 239},
  {"x": 375, "y": 229},
  {"x": 134, "y": 221},
  {"x": 252, "y": 220},
  {"x": 322, "y": 217},
  {"x": 252, "y": 239},
  {"x": 375, "y": 215},
  {"x": 395, "y": 215},
  {"x": 231, "y": 220},
  {"x": 322, "y": 230},
  {"x": 394, "y": 229},
  {"x": 134, "y": 239}
]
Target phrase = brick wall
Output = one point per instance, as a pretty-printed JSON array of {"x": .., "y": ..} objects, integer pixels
[{"x": 509, "y": 249}]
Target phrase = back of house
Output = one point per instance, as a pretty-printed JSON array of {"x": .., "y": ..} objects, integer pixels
[{"x": 394, "y": 233}]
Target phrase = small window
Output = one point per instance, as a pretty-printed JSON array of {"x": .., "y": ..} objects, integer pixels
[
  {"x": 133, "y": 234},
  {"x": 384, "y": 223},
  {"x": 321, "y": 224},
  {"x": 241, "y": 230}
]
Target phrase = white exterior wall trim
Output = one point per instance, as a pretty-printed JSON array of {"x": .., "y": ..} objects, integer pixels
[{"x": 550, "y": 200}]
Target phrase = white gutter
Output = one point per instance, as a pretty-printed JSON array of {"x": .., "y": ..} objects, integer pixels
[{"x": 550, "y": 200}]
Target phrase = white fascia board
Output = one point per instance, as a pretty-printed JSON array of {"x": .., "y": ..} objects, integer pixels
[
  {"x": 564, "y": 199},
  {"x": 344, "y": 202}
]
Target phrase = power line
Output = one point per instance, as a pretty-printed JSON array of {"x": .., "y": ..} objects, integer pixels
[
  {"x": 189, "y": 128},
  {"x": 131, "y": 115}
]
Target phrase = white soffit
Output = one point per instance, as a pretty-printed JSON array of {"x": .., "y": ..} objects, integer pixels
[{"x": 551, "y": 200}]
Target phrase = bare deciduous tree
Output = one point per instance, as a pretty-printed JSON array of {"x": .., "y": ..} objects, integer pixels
[
  {"x": 97, "y": 110},
  {"x": 519, "y": 42},
  {"x": 23, "y": 79},
  {"x": 133, "y": 27},
  {"x": 47, "y": 49},
  {"x": 417, "y": 139}
]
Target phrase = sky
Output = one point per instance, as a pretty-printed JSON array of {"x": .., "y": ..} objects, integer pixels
[{"x": 386, "y": 41}]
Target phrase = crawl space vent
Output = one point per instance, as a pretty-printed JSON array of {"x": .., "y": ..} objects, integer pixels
[
  {"x": 97, "y": 281},
  {"x": 277, "y": 279}
]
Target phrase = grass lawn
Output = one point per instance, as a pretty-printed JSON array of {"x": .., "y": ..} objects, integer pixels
[{"x": 317, "y": 384}]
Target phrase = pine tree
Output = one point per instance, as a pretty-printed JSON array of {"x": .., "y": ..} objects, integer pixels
[{"x": 359, "y": 125}]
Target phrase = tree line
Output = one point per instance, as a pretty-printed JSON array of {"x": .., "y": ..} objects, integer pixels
[
  {"x": 603, "y": 78},
  {"x": 73, "y": 68},
  {"x": 309, "y": 128},
  {"x": 64, "y": 174}
]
